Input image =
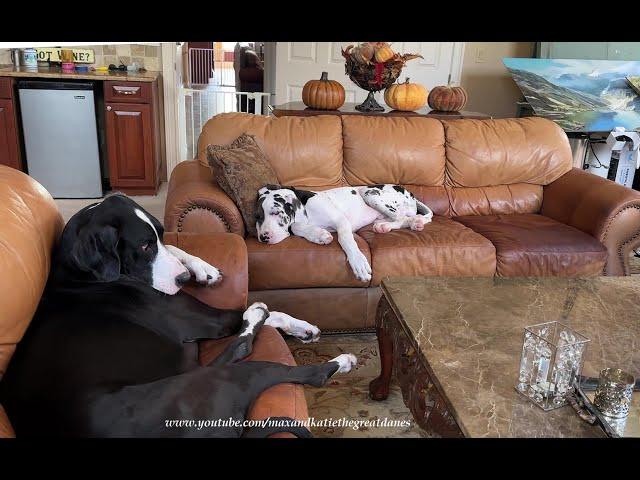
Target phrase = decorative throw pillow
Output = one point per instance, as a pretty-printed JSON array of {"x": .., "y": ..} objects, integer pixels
[{"x": 241, "y": 169}]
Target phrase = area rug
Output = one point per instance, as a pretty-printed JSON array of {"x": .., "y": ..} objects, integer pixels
[{"x": 346, "y": 396}]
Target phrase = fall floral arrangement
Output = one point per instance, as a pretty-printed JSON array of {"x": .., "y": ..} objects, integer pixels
[{"x": 374, "y": 66}]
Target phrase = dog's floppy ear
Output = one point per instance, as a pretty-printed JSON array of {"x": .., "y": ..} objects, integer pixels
[
  {"x": 95, "y": 252},
  {"x": 302, "y": 195},
  {"x": 259, "y": 211}
]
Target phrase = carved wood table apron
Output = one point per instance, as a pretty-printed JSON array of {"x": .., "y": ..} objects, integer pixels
[{"x": 454, "y": 345}]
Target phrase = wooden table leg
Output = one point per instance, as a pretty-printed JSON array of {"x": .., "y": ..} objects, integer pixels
[
  {"x": 379, "y": 387},
  {"x": 419, "y": 393}
]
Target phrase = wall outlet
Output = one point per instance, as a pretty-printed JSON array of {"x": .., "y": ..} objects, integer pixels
[{"x": 481, "y": 55}]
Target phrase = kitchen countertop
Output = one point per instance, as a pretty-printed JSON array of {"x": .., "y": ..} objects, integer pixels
[{"x": 56, "y": 72}]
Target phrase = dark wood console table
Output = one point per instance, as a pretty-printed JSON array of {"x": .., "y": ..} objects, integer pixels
[{"x": 299, "y": 109}]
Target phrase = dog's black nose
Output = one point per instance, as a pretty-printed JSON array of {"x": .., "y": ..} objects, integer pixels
[
  {"x": 182, "y": 278},
  {"x": 264, "y": 237}
]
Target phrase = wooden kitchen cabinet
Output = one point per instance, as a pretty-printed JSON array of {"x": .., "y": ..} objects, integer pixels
[
  {"x": 132, "y": 133},
  {"x": 9, "y": 140}
]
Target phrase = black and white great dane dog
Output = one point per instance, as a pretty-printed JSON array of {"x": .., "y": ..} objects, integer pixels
[
  {"x": 314, "y": 215},
  {"x": 112, "y": 349}
]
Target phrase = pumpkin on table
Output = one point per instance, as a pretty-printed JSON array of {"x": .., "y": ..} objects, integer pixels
[
  {"x": 406, "y": 96},
  {"x": 383, "y": 52},
  {"x": 323, "y": 94},
  {"x": 447, "y": 98}
]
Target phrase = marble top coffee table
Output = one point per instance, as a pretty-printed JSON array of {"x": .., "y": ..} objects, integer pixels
[{"x": 454, "y": 345}]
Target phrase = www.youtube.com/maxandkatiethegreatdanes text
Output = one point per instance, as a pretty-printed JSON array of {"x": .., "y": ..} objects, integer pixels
[{"x": 355, "y": 424}]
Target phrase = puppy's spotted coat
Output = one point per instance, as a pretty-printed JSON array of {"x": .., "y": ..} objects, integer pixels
[{"x": 284, "y": 211}]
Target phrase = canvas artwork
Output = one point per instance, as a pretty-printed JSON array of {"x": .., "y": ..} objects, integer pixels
[{"x": 580, "y": 95}]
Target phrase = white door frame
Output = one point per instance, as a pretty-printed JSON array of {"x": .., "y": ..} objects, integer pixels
[
  {"x": 457, "y": 60},
  {"x": 171, "y": 85}
]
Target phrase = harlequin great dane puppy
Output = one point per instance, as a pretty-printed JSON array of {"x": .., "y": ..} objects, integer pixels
[{"x": 283, "y": 211}]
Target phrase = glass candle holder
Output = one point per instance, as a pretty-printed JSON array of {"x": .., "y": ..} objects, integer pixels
[
  {"x": 613, "y": 395},
  {"x": 552, "y": 357}
]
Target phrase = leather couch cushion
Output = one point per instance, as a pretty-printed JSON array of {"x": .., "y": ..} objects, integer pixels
[
  {"x": 284, "y": 400},
  {"x": 499, "y": 199},
  {"x": 443, "y": 248},
  {"x": 436, "y": 198},
  {"x": 403, "y": 150},
  {"x": 297, "y": 263},
  {"x": 30, "y": 225},
  {"x": 301, "y": 150},
  {"x": 501, "y": 152},
  {"x": 534, "y": 245}
]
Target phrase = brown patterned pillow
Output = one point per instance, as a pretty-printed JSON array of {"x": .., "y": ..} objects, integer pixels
[{"x": 241, "y": 169}]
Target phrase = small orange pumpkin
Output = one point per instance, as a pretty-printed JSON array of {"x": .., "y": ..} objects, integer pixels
[
  {"x": 384, "y": 53},
  {"x": 323, "y": 94},
  {"x": 447, "y": 99},
  {"x": 406, "y": 96}
]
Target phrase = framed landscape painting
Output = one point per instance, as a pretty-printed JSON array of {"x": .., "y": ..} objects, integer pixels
[{"x": 580, "y": 95}]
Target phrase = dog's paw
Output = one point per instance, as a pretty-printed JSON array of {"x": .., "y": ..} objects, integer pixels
[
  {"x": 303, "y": 331},
  {"x": 324, "y": 238},
  {"x": 360, "y": 266},
  {"x": 306, "y": 332},
  {"x": 256, "y": 314},
  {"x": 381, "y": 227},
  {"x": 346, "y": 362},
  {"x": 257, "y": 306},
  {"x": 418, "y": 222},
  {"x": 204, "y": 273},
  {"x": 257, "y": 311}
]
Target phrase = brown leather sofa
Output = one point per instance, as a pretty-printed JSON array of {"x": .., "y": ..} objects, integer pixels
[
  {"x": 506, "y": 199},
  {"x": 31, "y": 225}
]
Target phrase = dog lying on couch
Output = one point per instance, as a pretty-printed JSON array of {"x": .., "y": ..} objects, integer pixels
[
  {"x": 112, "y": 349},
  {"x": 283, "y": 211}
]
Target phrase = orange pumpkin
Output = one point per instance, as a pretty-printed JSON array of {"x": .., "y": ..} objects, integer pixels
[
  {"x": 447, "y": 99},
  {"x": 406, "y": 96},
  {"x": 323, "y": 94},
  {"x": 384, "y": 53}
]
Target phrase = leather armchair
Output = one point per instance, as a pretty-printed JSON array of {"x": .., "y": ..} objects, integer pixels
[{"x": 31, "y": 226}]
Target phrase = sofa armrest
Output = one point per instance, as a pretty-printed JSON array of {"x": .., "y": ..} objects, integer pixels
[
  {"x": 195, "y": 203},
  {"x": 602, "y": 208},
  {"x": 224, "y": 251}
]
